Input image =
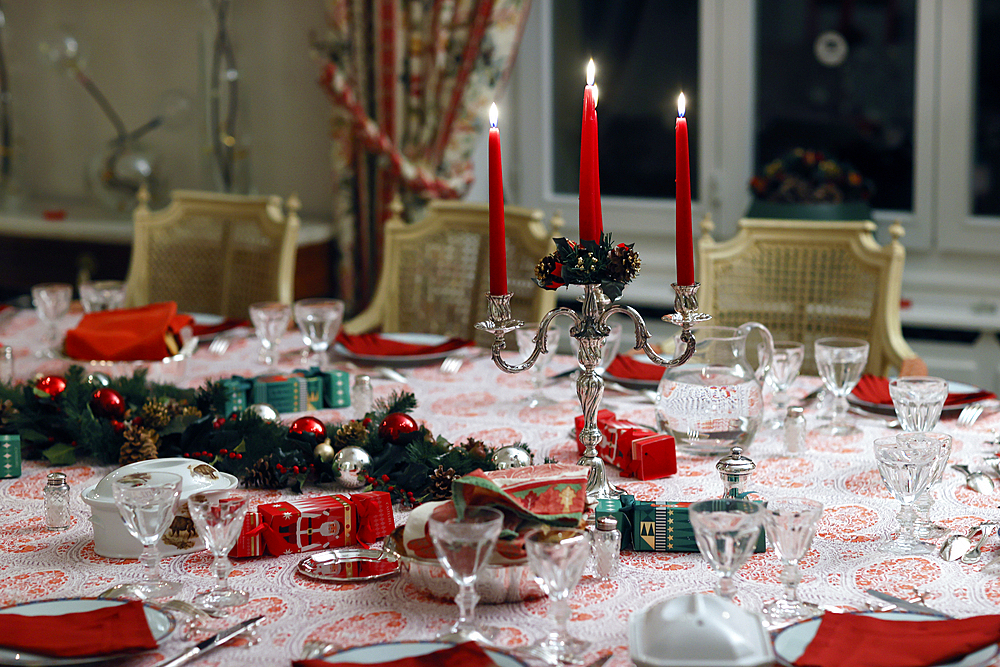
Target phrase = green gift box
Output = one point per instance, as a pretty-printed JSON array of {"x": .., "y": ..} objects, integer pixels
[
  {"x": 664, "y": 526},
  {"x": 621, "y": 509},
  {"x": 10, "y": 455},
  {"x": 289, "y": 393},
  {"x": 336, "y": 386},
  {"x": 237, "y": 391}
]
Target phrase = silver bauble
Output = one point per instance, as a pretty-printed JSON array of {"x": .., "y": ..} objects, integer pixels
[
  {"x": 99, "y": 379},
  {"x": 324, "y": 451},
  {"x": 510, "y": 456},
  {"x": 351, "y": 463},
  {"x": 265, "y": 411}
]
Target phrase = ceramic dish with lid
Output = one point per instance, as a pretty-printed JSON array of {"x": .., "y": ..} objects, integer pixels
[{"x": 112, "y": 539}]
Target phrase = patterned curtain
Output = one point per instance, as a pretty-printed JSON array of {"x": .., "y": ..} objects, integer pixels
[{"x": 410, "y": 82}]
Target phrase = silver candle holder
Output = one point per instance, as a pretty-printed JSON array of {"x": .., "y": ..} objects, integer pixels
[{"x": 590, "y": 328}]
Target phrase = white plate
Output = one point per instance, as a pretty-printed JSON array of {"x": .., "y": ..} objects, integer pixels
[
  {"x": 946, "y": 411},
  {"x": 791, "y": 642},
  {"x": 161, "y": 624},
  {"x": 388, "y": 359},
  {"x": 632, "y": 383},
  {"x": 375, "y": 653}
]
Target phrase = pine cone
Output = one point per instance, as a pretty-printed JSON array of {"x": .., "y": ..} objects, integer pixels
[
  {"x": 7, "y": 412},
  {"x": 623, "y": 263},
  {"x": 140, "y": 444},
  {"x": 154, "y": 414},
  {"x": 351, "y": 433},
  {"x": 440, "y": 488},
  {"x": 176, "y": 409},
  {"x": 546, "y": 265},
  {"x": 262, "y": 475}
]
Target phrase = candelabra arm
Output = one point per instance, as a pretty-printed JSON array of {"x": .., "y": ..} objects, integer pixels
[
  {"x": 541, "y": 347},
  {"x": 642, "y": 337}
]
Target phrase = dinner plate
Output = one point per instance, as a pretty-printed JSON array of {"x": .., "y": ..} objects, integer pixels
[
  {"x": 946, "y": 411},
  {"x": 343, "y": 566},
  {"x": 161, "y": 624},
  {"x": 375, "y": 653},
  {"x": 632, "y": 383},
  {"x": 791, "y": 642},
  {"x": 388, "y": 359}
]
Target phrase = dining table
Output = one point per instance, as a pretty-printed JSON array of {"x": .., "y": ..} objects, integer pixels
[{"x": 482, "y": 402}]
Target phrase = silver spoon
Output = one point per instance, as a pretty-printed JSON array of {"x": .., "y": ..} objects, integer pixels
[
  {"x": 977, "y": 481},
  {"x": 976, "y": 552},
  {"x": 955, "y": 547}
]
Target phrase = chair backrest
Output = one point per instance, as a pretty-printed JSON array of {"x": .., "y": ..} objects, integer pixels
[
  {"x": 214, "y": 253},
  {"x": 435, "y": 272},
  {"x": 806, "y": 279}
]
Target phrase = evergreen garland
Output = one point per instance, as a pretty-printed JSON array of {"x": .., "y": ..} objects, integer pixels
[{"x": 589, "y": 263}]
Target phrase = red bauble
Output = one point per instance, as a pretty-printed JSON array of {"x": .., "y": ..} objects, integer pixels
[
  {"x": 304, "y": 425},
  {"x": 108, "y": 403},
  {"x": 395, "y": 425},
  {"x": 53, "y": 385}
]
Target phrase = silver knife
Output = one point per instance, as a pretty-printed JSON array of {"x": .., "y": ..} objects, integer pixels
[
  {"x": 212, "y": 642},
  {"x": 906, "y": 605}
]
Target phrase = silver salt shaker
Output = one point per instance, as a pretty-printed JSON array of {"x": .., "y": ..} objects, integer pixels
[
  {"x": 607, "y": 544},
  {"x": 362, "y": 396},
  {"x": 795, "y": 431},
  {"x": 56, "y": 492},
  {"x": 735, "y": 471}
]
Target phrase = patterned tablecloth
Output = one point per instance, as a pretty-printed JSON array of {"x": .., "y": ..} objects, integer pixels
[{"x": 482, "y": 402}]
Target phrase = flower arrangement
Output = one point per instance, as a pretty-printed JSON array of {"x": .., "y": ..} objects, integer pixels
[
  {"x": 610, "y": 265},
  {"x": 804, "y": 176}
]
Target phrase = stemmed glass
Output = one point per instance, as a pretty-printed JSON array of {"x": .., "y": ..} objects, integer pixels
[
  {"x": 98, "y": 295},
  {"x": 918, "y": 401},
  {"x": 785, "y": 365},
  {"x": 526, "y": 345},
  {"x": 923, "y": 526},
  {"x": 464, "y": 545},
  {"x": 270, "y": 320},
  {"x": 319, "y": 321},
  {"x": 726, "y": 530},
  {"x": 906, "y": 468},
  {"x": 147, "y": 502},
  {"x": 51, "y": 303},
  {"x": 557, "y": 557},
  {"x": 791, "y": 524},
  {"x": 840, "y": 362},
  {"x": 218, "y": 517}
]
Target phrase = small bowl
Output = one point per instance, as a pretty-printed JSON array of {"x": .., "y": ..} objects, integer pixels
[{"x": 112, "y": 539}]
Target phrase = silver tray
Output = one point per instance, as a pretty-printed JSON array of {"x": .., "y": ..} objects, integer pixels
[{"x": 344, "y": 566}]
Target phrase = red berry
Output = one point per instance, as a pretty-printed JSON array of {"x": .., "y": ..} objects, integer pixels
[
  {"x": 385, "y": 478},
  {"x": 219, "y": 421},
  {"x": 390, "y": 488},
  {"x": 117, "y": 426},
  {"x": 295, "y": 469},
  {"x": 239, "y": 457},
  {"x": 279, "y": 468},
  {"x": 223, "y": 451},
  {"x": 232, "y": 455},
  {"x": 137, "y": 421}
]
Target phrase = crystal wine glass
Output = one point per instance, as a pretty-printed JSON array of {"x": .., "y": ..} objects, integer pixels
[
  {"x": 726, "y": 530},
  {"x": 906, "y": 467},
  {"x": 97, "y": 295},
  {"x": 526, "y": 345},
  {"x": 785, "y": 365},
  {"x": 923, "y": 527},
  {"x": 147, "y": 502},
  {"x": 918, "y": 401},
  {"x": 51, "y": 303},
  {"x": 791, "y": 524},
  {"x": 270, "y": 320},
  {"x": 840, "y": 362},
  {"x": 319, "y": 321},
  {"x": 557, "y": 557},
  {"x": 464, "y": 545},
  {"x": 218, "y": 517}
]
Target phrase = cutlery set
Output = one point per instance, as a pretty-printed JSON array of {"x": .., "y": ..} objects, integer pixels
[{"x": 967, "y": 548}]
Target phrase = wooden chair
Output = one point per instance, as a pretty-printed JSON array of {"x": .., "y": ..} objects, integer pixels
[
  {"x": 806, "y": 279},
  {"x": 435, "y": 273},
  {"x": 214, "y": 253}
]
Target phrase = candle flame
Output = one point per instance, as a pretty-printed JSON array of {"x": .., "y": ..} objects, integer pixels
[
  {"x": 493, "y": 114},
  {"x": 591, "y": 70},
  {"x": 680, "y": 104},
  {"x": 597, "y": 93}
]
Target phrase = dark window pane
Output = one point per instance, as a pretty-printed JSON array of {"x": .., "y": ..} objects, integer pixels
[
  {"x": 646, "y": 53},
  {"x": 838, "y": 76},
  {"x": 986, "y": 175}
]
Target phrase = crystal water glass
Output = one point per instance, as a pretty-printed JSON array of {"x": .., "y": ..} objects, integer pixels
[
  {"x": 218, "y": 518},
  {"x": 918, "y": 401},
  {"x": 791, "y": 525},
  {"x": 906, "y": 467},
  {"x": 840, "y": 362},
  {"x": 609, "y": 347},
  {"x": 726, "y": 531},
  {"x": 785, "y": 366},
  {"x": 526, "y": 345},
  {"x": 270, "y": 320},
  {"x": 319, "y": 321},
  {"x": 147, "y": 502},
  {"x": 51, "y": 303},
  {"x": 557, "y": 557},
  {"x": 463, "y": 546},
  {"x": 924, "y": 528},
  {"x": 98, "y": 295}
]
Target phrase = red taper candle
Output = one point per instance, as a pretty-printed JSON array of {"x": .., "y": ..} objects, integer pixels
[
  {"x": 589, "y": 192},
  {"x": 685, "y": 245},
  {"x": 498, "y": 246}
]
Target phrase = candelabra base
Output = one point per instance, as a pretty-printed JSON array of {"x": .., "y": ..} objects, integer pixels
[{"x": 598, "y": 485}]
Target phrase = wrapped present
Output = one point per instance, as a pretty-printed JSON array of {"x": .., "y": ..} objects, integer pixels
[
  {"x": 375, "y": 520},
  {"x": 251, "y": 539},
  {"x": 664, "y": 526},
  {"x": 288, "y": 393},
  {"x": 336, "y": 386},
  {"x": 10, "y": 455},
  {"x": 237, "y": 394},
  {"x": 308, "y": 524},
  {"x": 621, "y": 509},
  {"x": 634, "y": 449}
]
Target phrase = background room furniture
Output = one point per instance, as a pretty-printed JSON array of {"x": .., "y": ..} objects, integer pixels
[
  {"x": 431, "y": 270},
  {"x": 806, "y": 279},
  {"x": 214, "y": 253}
]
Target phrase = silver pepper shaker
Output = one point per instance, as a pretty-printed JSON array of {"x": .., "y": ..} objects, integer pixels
[
  {"x": 362, "y": 396},
  {"x": 735, "y": 471},
  {"x": 56, "y": 492},
  {"x": 795, "y": 431},
  {"x": 607, "y": 544}
]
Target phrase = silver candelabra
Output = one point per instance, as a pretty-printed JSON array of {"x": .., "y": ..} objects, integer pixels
[{"x": 590, "y": 328}]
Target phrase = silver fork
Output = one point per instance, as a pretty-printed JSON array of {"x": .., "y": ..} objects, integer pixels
[
  {"x": 969, "y": 414},
  {"x": 220, "y": 344},
  {"x": 453, "y": 362}
]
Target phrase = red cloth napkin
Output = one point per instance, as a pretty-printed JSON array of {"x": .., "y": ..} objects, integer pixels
[
  {"x": 856, "y": 640},
  {"x": 630, "y": 368},
  {"x": 128, "y": 334},
  {"x": 374, "y": 344},
  {"x": 469, "y": 654},
  {"x": 112, "y": 629},
  {"x": 875, "y": 389}
]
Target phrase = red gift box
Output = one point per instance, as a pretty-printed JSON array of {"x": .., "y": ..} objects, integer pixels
[
  {"x": 251, "y": 540},
  {"x": 308, "y": 524},
  {"x": 375, "y": 519},
  {"x": 654, "y": 456},
  {"x": 635, "y": 450}
]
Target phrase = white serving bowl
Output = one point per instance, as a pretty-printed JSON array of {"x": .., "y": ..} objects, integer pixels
[
  {"x": 112, "y": 539},
  {"x": 698, "y": 631}
]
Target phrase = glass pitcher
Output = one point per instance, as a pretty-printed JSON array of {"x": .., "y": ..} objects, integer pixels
[{"x": 715, "y": 400}]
